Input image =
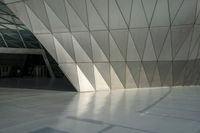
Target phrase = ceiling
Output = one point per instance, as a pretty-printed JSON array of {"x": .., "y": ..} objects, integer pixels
[{"x": 13, "y": 33}]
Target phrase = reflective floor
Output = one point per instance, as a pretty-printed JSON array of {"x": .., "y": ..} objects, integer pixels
[{"x": 158, "y": 110}]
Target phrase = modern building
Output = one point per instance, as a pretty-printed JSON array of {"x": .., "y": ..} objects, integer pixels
[
  {"x": 117, "y": 44},
  {"x": 106, "y": 45}
]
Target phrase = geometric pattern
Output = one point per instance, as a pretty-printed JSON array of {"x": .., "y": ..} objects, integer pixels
[
  {"x": 13, "y": 33},
  {"x": 118, "y": 44}
]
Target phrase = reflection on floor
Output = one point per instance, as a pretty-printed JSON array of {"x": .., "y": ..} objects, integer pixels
[{"x": 158, "y": 110}]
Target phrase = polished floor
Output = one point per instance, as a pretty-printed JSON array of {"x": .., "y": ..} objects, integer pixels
[{"x": 156, "y": 110}]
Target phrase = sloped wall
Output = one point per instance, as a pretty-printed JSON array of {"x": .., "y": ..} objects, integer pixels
[{"x": 117, "y": 44}]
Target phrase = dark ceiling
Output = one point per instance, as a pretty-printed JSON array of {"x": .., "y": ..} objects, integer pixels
[{"x": 13, "y": 33}]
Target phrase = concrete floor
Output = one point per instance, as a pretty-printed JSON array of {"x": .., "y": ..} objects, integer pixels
[{"x": 158, "y": 110}]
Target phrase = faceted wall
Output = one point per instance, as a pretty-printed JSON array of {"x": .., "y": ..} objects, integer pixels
[{"x": 117, "y": 44}]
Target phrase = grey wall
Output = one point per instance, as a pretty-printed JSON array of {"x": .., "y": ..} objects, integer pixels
[{"x": 117, "y": 44}]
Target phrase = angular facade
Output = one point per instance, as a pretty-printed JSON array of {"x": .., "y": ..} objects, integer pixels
[{"x": 118, "y": 44}]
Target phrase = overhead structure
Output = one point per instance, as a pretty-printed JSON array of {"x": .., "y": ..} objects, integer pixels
[
  {"x": 118, "y": 44},
  {"x": 13, "y": 33}
]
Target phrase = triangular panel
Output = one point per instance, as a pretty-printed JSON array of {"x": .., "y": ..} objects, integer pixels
[
  {"x": 178, "y": 67},
  {"x": 37, "y": 25},
  {"x": 149, "y": 6},
  {"x": 120, "y": 69},
  {"x": 186, "y": 14},
  {"x": 83, "y": 39},
  {"x": 164, "y": 67},
  {"x": 104, "y": 69},
  {"x": 102, "y": 8},
  {"x": 115, "y": 82},
  {"x": 189, "y": 67},
  {"x": 195, "y": 51},
  {"x": 98, "y": 55},
  {"x": 56, "y": 24},
  {"x": 179, "y": 35},
  {"x": 198, "y": 19},
  {"x": 115, "y": 54},
  {"x": 174, "y": 6},
  {"x": 184, "y": 50},
  {"x": 65, "y": 39},
  {"x": 70, "y": 71},
  {"x": 139, "y": 37},
  {"x": 161, "y": 14},
  {"x": 62, "y": 55},
  {"x": 102, "y": 38},
  {"x": 58, "y": 7},
  {"x": 143, "y": 79},
  {"x": 116, "y": 20},
  {"x": 138, "y": 18},
  {"x": 121, "y": 39},
  {"x": 79, "y": 6},
  {"x": 190, "y": 71},
  {"x": 149, "y": 68},
  {"x": 195, "y": 37},
  {"x": 80, "y": 54},
  {"x": 178, "y": 81},
  {"x": 132, "y": 54},
  {"x": 95, "y": 22},
  {"x": 125, "y": 7},
  {"x": 156, "y": 79},
  {"x": 20, "y": 11},
  {"x": 99, "y": 80},
  {"x": 88, "y": 70},
  {"x": 166, "y": 53},
  {"x": 48, "y": 42},
  {"x": 198, "y": 8},
  {"x": 38, "y": 7},
  {"x": 84, "y": 83},
  {"x": 169, "y": 79},
  {"x": 134, "y": 68},
  {"x": 149, "y": 53},
  {"x": 158, "y": 37},
  {"x": 130, "y": 82},
  {"x": 75, "y": 22}
]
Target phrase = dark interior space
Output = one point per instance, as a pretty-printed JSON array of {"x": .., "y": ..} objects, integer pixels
[
  {"x": 30, "y": 71},
  {"x": 22, "y": 66}
]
